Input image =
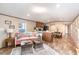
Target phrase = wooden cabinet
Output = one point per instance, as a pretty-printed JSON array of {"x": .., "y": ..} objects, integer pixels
[
  {"x": 39, "y": 24},
  {"x": 47, "y": 36},
  {"x": 9, "y": 42}
]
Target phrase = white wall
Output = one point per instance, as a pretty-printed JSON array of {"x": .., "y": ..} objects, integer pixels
[
  {"x": 74, "y": 30},
  {"x": 58, "y": 25},
  {"x": 29, "y": 25},
  {"x": 3, "y": 35}
]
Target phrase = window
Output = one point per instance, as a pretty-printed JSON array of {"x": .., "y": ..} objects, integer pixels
[{"x": 22, "y": 27}]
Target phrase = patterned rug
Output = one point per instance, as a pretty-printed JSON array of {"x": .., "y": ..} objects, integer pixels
[{"x": 45, "y": 50}]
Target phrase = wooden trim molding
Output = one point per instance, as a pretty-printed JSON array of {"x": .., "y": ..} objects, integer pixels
[
  {"x": 16, "y": 17},
  {"x": 65, "y": 21},
  {"x": 74, "y": 19},
  {"x": 36, "y": 21},
  {"x": 57, "y": 21}
]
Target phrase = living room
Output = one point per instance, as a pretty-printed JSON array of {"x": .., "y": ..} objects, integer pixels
[{"x": 39, "y": 29}]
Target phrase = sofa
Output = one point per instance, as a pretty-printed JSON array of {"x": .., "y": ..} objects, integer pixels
[
  {"x": 19, "y": 37},
  {"x": 22, "y": 37}
]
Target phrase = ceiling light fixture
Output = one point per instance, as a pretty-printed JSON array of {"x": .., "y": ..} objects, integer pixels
[
  {"x": 39, "y": 9},
  {"x": 58, "y": 5},
  {"x": 28, "y": 15}
]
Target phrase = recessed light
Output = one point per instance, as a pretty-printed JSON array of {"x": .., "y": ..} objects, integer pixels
[
  {"x": 48, "y": 20},
  {"x": 58, "y": 5},
  {"x": 39, "y": 9},
  {"x": 28, "y": 15}
]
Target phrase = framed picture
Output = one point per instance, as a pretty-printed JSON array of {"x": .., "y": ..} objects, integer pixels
[
  {"x": 12, "y": 27},
  {"x": 8, "y": 22}
]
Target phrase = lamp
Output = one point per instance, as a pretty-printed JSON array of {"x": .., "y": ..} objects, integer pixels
[{"x": 9, "y": 31}]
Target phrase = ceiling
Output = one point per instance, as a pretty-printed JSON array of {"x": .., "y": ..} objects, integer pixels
[{"x": 45, "y": 12}]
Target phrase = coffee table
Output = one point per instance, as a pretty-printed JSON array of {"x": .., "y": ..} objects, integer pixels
[{"x": 26, "y": 47}]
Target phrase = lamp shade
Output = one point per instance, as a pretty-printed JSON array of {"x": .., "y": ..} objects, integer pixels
[{"x": 9, "y": 30}]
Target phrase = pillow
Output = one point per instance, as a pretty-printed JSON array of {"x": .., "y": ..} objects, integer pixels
[
  {"x": 34, "y": 34},
  {"x": 29, "y": 34},
  {"x": 18, "y": 35}
]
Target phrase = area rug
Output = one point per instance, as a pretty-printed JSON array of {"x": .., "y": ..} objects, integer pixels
[{"x": 45, "y": 50}]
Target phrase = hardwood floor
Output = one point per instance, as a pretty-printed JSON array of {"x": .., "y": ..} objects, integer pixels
[
  {"x": 65, "y": 46},
  {"x": 5, "y": 51}
]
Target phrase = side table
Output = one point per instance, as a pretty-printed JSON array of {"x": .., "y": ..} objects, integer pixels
[{"x": 9, "y": 42}]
